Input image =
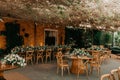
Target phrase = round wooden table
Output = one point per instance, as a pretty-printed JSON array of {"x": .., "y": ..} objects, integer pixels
[
  {"x": 75, "y": 63},
  {"x": 5, "y": 68}
]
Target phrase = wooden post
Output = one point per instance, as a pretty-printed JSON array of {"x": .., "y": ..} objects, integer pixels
[{"x": 35, "y": 24}]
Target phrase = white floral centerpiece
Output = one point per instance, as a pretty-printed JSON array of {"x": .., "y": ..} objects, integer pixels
[
  {"x": 13, "y": 59},
  {"x": 80, "y": 52},
  {"x": 77, "y": 51}
]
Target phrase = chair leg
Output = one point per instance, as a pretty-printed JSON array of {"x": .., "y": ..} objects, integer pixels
[
  {"x": 46, "y": 59},
  {"x": 98, "y": 71},
  {"x": 62, "y": 71},
  {"x": 68, "y": 70},
  {"x": 57, "y": 70},
  {"x": 87, "y": 74},
  {"x": 42, "y": 60},
  {"x": 50, "y": 58},
  {"x": 119, "y": 74},
  {"x": 27, "y": 62},
  {"x": 37, "y": 61},
  {"x": 78, "y": 75},
  {"x": 91, "y": 70},
  {"x": 31, "y": 61}
]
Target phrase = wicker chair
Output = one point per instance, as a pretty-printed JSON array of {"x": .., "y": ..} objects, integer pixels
[
  {"x": 82, "y": 66},
  {"x": 39, "y": 56},
  {"x": 95, "y": 62},
  {"x": 67, "y": 51},
  {"x": 106, "y": 56},
  {"x": 59, "y": 49},
  {"x": 61, "y": 64},
  {"x": 115, "y": 74},
  {"x": 56, "y": 52},
  {"x": 48, "y": 54},
  {"x": 106, "y": 76},
  {"x": 29, "y": 56}
]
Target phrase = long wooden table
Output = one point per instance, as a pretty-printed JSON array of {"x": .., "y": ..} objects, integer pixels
[{"x": 5, "y": 68}]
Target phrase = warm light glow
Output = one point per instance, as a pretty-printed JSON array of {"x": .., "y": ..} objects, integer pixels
[
  {"x": 41, "y": 44},
  {"x": 31, "y": 44}
]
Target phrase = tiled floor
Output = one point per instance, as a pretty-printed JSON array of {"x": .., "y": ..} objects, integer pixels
[{"x": 48, "y": 71}]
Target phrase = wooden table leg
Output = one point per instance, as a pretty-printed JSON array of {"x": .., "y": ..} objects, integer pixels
[{"x": 1, "y": 76}]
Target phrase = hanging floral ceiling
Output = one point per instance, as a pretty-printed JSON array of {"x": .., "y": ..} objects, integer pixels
[{"x": 100, "y": 14}]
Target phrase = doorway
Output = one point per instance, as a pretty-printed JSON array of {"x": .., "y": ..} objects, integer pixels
[
  {"x": 51, "y": 37},
  {"x": 13, "y": 37}
]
